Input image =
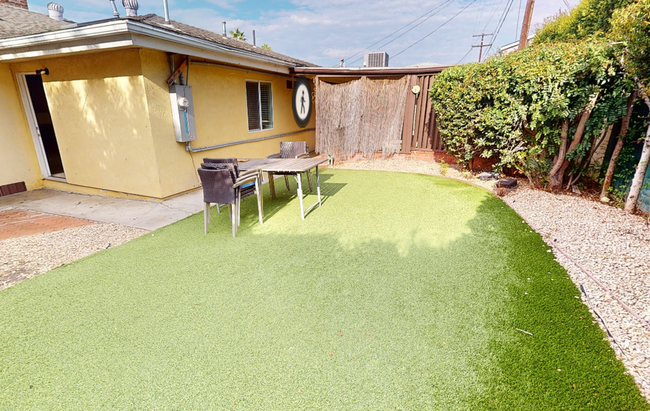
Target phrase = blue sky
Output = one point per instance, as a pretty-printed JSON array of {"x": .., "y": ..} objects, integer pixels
[{"x": 323, "y": 32}]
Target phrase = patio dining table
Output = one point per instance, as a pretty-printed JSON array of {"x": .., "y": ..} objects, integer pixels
[{"x": 294, "y": 166}]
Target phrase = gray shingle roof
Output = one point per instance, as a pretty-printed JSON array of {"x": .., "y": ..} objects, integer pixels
[
  {"x": 17, "y": 22},
  {"x": 178, "y": 27}
]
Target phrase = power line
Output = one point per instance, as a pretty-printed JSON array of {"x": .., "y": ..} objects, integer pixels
[
  {"x": 492, "y": 15},
  {"x": 466, "y": 54},
  {"x": 443, "y": 24},
  {"x": 518, "y": 17},
  {"x": 398, "y": 30},
  {"x": 500, "y": 24},
  {"x": 482, "y": 36},
  {"x": 440, "y": 7}
]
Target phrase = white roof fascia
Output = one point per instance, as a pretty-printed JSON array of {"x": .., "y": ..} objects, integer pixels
[
  {"x": 141, "y": 35},
  {"x": 159, "y": 39},
  {"x": 74, "y": 33}
]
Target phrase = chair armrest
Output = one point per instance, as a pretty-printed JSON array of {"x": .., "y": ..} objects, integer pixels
[
  {"x": 243, "y": 180},
  {"x": 248, "y": 173},
  {"x": 276, "y": 155},
  {"x": 303, "y": 155}
]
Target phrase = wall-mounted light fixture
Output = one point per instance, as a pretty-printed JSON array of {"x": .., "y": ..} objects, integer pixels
[{"x": 43, "y": 71}]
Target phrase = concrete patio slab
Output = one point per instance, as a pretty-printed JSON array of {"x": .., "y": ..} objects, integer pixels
[{"x": 148, "y": 215}]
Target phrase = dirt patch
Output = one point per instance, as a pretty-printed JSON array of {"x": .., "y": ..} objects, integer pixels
[{"x": 19, "y": 223}]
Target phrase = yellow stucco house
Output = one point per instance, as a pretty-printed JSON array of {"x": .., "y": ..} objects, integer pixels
[{"x": 88, "y": 107}]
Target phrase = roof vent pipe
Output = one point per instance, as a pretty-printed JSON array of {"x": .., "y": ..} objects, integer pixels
[
  {"x": 223, "y": 33},
  {"x": 55, "y": 11},
  {"x": 254, "y": 45},
  {"x": 166, "y": 7},
  {"x": 131, "y": 7},
  {"x": 115, "y": 12}
]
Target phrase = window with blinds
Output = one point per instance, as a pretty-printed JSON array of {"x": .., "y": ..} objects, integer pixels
[{"x": 259, "y": 101}]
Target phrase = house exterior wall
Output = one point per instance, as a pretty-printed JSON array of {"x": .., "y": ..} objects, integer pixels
[
  {"x": 220, "y": 110},
  {"x": 99, "y": 112},
  {"x": 112, "y": 117},
  {"x": 221, "y": 114},
  {"x": 18, "y": 161}
]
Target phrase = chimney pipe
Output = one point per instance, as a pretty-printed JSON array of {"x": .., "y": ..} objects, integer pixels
[
  {"x": 224, "y": 29},
  {"x": 255, "y": 45},
  {"x": 166, "y": 6},
  {"x": 131, "y": 7},
  {"x": 115, "y": 12},
  {"x": 55, "y": 11}
]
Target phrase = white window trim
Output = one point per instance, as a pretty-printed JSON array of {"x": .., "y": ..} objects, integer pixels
[{"x": 259, "y": 99}]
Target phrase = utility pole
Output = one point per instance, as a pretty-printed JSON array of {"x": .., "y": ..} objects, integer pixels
[
  {"x": 482, "y": 36},
  {"x": 525, "y": 27}
]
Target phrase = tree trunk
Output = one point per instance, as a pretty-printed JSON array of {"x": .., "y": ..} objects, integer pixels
[
  {"x": 555, "y": 179},
  {"x": 604, "y": 136},
  {"x": 558, "y": 160},
  {"x": 637, "y": 181},
  {"x": 625, "y": 126}
]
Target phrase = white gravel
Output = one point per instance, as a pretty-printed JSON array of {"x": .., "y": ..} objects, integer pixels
[
  {"x": 613, "y": 246},
  {"x": 22, "y": 258}
]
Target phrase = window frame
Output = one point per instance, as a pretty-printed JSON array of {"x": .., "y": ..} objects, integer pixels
[{"x": 259, "y": 104}]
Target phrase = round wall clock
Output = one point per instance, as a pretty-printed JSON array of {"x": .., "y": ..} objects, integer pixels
[{"x": 302, "y": 101}]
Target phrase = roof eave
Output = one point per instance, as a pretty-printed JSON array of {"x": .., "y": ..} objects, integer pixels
[
  {"x": 365, "y": 71},
  {"x": 126, "y": 33}
]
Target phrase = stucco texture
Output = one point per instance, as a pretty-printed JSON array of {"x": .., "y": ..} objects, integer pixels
[
  {"x": 18, "y": 161},
  {"x": 112, "y": 117}
]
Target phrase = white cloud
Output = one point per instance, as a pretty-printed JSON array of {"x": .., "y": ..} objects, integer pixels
[{"x": 323, "y": 32}]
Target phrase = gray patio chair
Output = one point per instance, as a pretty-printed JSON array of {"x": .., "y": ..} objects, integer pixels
[
  {"x": 247, "y": 189},
  {"x": 292, "y": 149},
  {"x": 221, "y": 186}
]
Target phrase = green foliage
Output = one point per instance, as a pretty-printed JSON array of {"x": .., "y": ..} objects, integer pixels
[
  {"x": 238, "y": 35},
  {"x": 589, "y": 18},
  {"x": 266, "y": 46},
  {"x": 513, "y": 107},
  {"x": 631, "y": 26}
]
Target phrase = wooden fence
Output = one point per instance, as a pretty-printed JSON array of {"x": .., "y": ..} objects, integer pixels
[
  {"x": 364, "y": 116},
  {"x": 420, "y": 131}
]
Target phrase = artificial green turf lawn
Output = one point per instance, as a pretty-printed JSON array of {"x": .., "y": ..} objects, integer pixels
[{"x": 400, "y": 292}]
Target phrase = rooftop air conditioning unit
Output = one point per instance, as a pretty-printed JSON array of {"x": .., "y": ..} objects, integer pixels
[{"x": 375, "y": 59}]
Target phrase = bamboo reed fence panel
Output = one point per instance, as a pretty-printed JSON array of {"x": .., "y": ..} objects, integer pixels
[{"x": 360, "y": 117}]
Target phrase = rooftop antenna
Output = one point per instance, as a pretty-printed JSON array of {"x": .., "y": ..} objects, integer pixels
[
  {"x": 115, "y": 12},
  {"x": 166, "y": 6}
]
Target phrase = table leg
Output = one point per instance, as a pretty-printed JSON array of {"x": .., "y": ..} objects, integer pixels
[
  {"x": 259, "y": 191},
  {"x": 318, "y": 186},
  {"x": 302, "y": 207},
  {"x": 271, "y": 184}
]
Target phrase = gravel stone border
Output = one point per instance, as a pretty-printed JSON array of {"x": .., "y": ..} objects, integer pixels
[{"x": 22, "y": 258}]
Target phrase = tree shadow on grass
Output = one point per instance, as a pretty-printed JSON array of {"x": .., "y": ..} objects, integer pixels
[{"x": 366, "y": 304}]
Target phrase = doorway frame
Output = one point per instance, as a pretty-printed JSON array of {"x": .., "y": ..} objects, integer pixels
[{"x": 21, "y": 80}]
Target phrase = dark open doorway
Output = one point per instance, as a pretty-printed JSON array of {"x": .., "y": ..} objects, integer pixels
[{"x": 44, "y": 124}]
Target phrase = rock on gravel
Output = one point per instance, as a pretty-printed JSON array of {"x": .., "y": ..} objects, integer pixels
[{"x": 22, "y": 258}]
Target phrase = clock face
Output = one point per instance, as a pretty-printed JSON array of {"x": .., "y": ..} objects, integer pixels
[{"x": 302, "y": 101}]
